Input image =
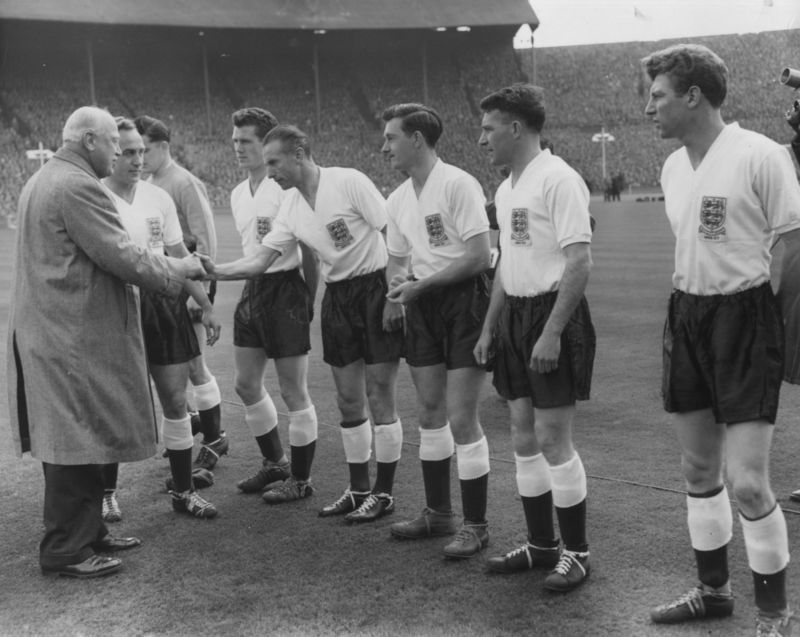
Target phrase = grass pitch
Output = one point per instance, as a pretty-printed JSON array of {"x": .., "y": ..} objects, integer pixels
[{"x": 260, "y": 570}]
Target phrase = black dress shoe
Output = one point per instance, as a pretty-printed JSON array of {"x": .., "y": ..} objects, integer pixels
[
  {"x": 110, "y": 544},
  {"x": 95, "y": 566}
]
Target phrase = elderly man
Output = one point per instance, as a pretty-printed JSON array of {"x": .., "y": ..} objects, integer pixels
[{"x": 77, "y": 375}]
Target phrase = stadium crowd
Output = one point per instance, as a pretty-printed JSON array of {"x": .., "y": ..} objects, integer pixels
[{"x": 587, "y": 87}]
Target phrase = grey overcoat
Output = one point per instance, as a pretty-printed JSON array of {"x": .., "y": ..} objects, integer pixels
[{"x": 77, "y": 375}]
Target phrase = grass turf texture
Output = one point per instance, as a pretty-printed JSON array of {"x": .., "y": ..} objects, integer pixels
[{"x": 281, "y": 570}]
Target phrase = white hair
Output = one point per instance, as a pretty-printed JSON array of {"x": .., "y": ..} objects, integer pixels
[{"x": 86, "y": 118}]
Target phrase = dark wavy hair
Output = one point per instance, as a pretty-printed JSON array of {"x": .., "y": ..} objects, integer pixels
[
  {"x": 690, "y": 65},
  {"x": 524, "y": 101},
  {"x": 417, "y": 117}
]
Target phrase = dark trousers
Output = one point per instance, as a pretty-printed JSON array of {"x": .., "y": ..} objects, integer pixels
[{"x": 73, "y": 513}]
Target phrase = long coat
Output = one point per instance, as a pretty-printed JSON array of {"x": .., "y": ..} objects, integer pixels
[{"x": 77, "y": 375}]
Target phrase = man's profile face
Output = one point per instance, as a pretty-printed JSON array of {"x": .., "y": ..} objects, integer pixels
[
  {"x": 497, "y": 138},
  {"x": 398, "y": 147},
  {"x": 666, "y": 107},
  {"x": 102, "y": 144},
  {"x": 248, "y": 147},
  {"x": 282, "y": 167},
  {"x": 155, "y": 154},
  {"x": 128, "y": 166}
]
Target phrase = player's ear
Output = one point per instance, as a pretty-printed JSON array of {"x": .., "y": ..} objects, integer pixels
[{"x": 693, "y": 96}]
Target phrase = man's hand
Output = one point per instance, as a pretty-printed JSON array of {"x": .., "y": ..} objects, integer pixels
[
  {"x": 211, "y": 324},
  {"x": 544, "y": 357},
  {"x": 393, "y": 315},
  {"x": 192, "y": 267},
  {"x": 483, "y": 349},
  {"x": 403, "y": 292},
  {"x": 208, "y": 265}
]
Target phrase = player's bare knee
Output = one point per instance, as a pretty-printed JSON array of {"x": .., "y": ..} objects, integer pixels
[
  {"x": 294, "y": 394},
  {"x": 199, "y": 374},
  {"x": 700, "y": 473},
  {"x": 752, "y": 492},
  {"x": 174, "y": 407},
  {"x": 296, "y": 400},
  {"x": 466, "y": 431},
  {"x": 350, "y": 407}
]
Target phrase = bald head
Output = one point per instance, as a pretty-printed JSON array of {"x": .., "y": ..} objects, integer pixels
[
  {"x": 92, "y": 133},
  {"x": 85, "y": 119}
]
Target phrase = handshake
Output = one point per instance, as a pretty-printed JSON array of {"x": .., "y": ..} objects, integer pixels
[{"x": 197, "y": 267}]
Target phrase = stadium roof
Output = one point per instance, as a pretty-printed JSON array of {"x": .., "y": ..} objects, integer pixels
[{"x": 278, "y": 14}]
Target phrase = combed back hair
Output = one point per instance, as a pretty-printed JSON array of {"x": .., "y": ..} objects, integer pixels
[
  {"x": 690, "y": 65},
  {"x": 523, "y": 101},
  {"x": 262, "y": 120},
  {"x": 123, "y": 123},
  {"x": 417, "y": 117},
  {"x": 83, "y": 120},
  {"x": 290, "y": 137},
  {"x": 154, "y": 129}
]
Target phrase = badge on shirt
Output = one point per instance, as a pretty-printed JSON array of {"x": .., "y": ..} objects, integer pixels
[
  {"x": 520, "y": 236},
  {"x": 436, "y": 234},
  {"x": 712, "y": 219},
  {"x": 263, "y": 227},
  {"x": 155, "y": 235},
  {"x": 340, "y": 234}
]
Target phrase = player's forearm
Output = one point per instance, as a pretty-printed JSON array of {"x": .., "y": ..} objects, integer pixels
[
  {"x": 469, "y": 265},
  {"x": 310, "y": 270},
  {"x": 198, "y": 293},
  {"x": 246, "y": 267},
  {"x": 570, "y": 291},
  {"x": 496, "y": 301},
  {"x": 396, "y": 266}
]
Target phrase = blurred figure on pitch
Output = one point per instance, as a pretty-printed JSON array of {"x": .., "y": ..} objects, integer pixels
[
  {"x": 148, "y": 214},
  {"x": 78, "y": 391},
  {"x": 793, "y": 119},
  {"x": 728, "y": 192},
  {"x": 790, "y": 298},
  {"x": 272, "y": 317},
  {"x": 438, "y": 242},
  {"x": 540, "y": 326},
  {"x": 339, "y": 213},
  {"x": 197, "y": 223}
]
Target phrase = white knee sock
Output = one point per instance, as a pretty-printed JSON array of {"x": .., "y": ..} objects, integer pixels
[
  {"x": 303, "y": 427},
  {"x": 767, "y": 542},
  {"x": 389, "y": 441},
  {"x": 436, "y": 444},
  {"x": 261, "y": 417},
  {"x": 533, "y": 475},
  {"x": 569, "y": 483},
  {"x": 710, "y": 521},
  {"x": 473, "y": 459},
  {"x": 357, "y": 442}
]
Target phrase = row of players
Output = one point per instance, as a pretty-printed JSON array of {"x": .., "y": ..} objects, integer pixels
[{"x": 406, "y": 277}]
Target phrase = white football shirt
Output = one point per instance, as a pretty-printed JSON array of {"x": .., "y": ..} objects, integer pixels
[
  {"x": 432, "y": 229},
  {"x": 150, "y": 219},
  {"x": 544, "y": 212},
  {"x": 724, "y": 213},
  {"x": 254, "y": 215},
  {"x": 343, "y": 228}
]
